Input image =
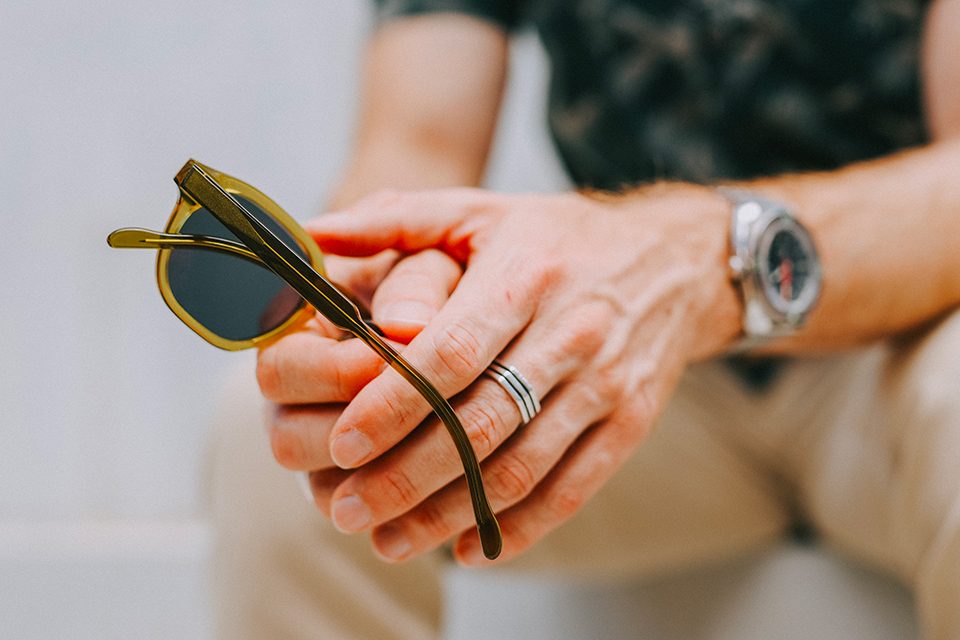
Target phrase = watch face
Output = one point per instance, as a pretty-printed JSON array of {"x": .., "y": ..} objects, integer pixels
[{"x": 788, "y": 268}]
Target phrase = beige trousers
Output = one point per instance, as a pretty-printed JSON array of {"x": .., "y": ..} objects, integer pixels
[{"x": 864, "y": 446}]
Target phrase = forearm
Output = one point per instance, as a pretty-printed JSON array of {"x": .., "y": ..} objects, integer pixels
[
  {"x": 888, "y": 229},
  {"x": 887, "y": 232},
  {"x": 399, "y": 166},
  {"x": 431, "y": 92}
]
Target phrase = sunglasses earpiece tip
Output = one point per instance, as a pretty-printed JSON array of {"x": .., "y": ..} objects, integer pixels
[{"x": 128, "y": 237}]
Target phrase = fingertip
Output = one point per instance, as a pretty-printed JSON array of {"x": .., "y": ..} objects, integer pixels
[
  {"x": 323, "y": 485},
  {"x": 391, "y": 543},
  {"x": 412, "y": 294},
  {"x": 400, "y": 332},
  {"x": 468, "y": 552},
  {"x": 350, "y": 448},
  {"x": 403, "y": 319},
  {"x": 303, "y": 480}
]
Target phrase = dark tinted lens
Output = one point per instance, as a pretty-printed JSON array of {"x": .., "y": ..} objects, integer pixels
[{"x": 235, "y": 298}]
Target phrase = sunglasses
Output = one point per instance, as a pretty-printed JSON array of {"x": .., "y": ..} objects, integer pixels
[{"x": 240, "y": 272}]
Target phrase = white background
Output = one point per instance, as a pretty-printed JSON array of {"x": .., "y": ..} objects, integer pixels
[{"x": 105, "y": 398}]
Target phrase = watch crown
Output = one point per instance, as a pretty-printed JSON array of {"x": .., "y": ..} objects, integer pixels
[{"x": 736, "y": 267}]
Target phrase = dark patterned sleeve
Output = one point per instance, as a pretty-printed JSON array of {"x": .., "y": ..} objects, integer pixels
[{"x": 503, "y": 13}]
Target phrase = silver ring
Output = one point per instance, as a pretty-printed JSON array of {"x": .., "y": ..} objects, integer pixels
[{"x": 517, "y": 387}]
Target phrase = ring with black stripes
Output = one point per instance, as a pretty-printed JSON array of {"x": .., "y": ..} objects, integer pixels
[{"x": 517, "y": 387}]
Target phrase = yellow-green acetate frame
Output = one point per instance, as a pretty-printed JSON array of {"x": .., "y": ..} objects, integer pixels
[
  {"x": 220, "y": 194},
  {"x": 184, "y": 208}
]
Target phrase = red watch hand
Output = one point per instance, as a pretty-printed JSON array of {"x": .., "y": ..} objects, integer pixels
[{"x": 786, "y": 279}]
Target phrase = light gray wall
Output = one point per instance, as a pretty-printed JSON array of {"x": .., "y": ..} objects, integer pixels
[{"x": 104, "y": 396}]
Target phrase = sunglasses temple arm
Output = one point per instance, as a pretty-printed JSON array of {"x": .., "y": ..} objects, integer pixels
[
  {"x": 136, "y": 238},
  {"x": 341, "y": 312},
  {"x": 487, "y": 526}
]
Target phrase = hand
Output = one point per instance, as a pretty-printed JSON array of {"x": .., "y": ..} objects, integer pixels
[
  {"x": 310, "y": 374},
  {"x": 599, "y": 303}
]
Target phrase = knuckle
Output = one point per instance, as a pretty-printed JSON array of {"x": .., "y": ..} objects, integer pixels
[
  {"x": 566, "y": 501},
  {"x": 607, "y": 386},
  {"x": 392, "y": 403},
  {"x": 398, "y": 489},
  {"x": 537, "y": 273},
  {"x": 524, "y": 289},
  {"x": 610, "y": 384},
  {"x": 512, "y": 479},
  {"x": 591, "y": 395},
  {"x": 482, "y": 422},
  {"x": 583, "y": 332},
  {"x": 432, "y": 519},
  {"x": 342, "y": 387},
  {"x": 458, "y": 351},
  {"x": 547, "y": 270}
]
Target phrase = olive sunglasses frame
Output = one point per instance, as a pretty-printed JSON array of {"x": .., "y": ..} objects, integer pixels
[
  {"x": 204, "y": 188},
  {"x": 172, "y": 238}
]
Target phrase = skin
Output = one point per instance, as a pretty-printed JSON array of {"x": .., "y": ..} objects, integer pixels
[{"x": 601, "y": 302}]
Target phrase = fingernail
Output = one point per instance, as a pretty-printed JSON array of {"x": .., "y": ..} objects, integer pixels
[
  {"x": 350, "y": 448},
  {"x": 392, "y": 544},
  {"x": 468, "y": 552},
  {"x": 303, "y": 479},
  {"x": 350, "y": 514},
  {"x": 407, "y": 312}
]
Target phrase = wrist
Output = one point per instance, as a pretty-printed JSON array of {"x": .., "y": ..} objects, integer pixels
[
  {"x": 720, "y": 317},
  {"x": 695, "y": 225}
]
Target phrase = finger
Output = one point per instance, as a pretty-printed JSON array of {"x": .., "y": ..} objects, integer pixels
[
  {"x": 510, "y": 475},
  {"x": 322, "y": 485},
  {"x": 485, "y": 312},
  {"x": 413, "y": 292},
  {"x": 360, "y": 276},
  {"x": 357, "y": 278},
  {"x": 307, "y": 367},
  {"x": 426, "y": 461},
  {"x": 300, "y": 435},
  {"x": 407, "y": 221},
  {"x": 589, "y": 463}
]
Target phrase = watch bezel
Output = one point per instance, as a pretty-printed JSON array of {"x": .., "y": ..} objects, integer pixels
[
  {"x": 756, "y": 218},
  {"x": 792, "y": 312}
]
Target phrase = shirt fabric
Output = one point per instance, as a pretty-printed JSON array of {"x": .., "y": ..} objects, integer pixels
[{"x": 704, "y": 90}]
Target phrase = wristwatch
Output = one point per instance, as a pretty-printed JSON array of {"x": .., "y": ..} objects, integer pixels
[{"x": 774, "y": 263}]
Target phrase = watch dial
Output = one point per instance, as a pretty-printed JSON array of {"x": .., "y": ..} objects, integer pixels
[{"x": 788, "y": 266}]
